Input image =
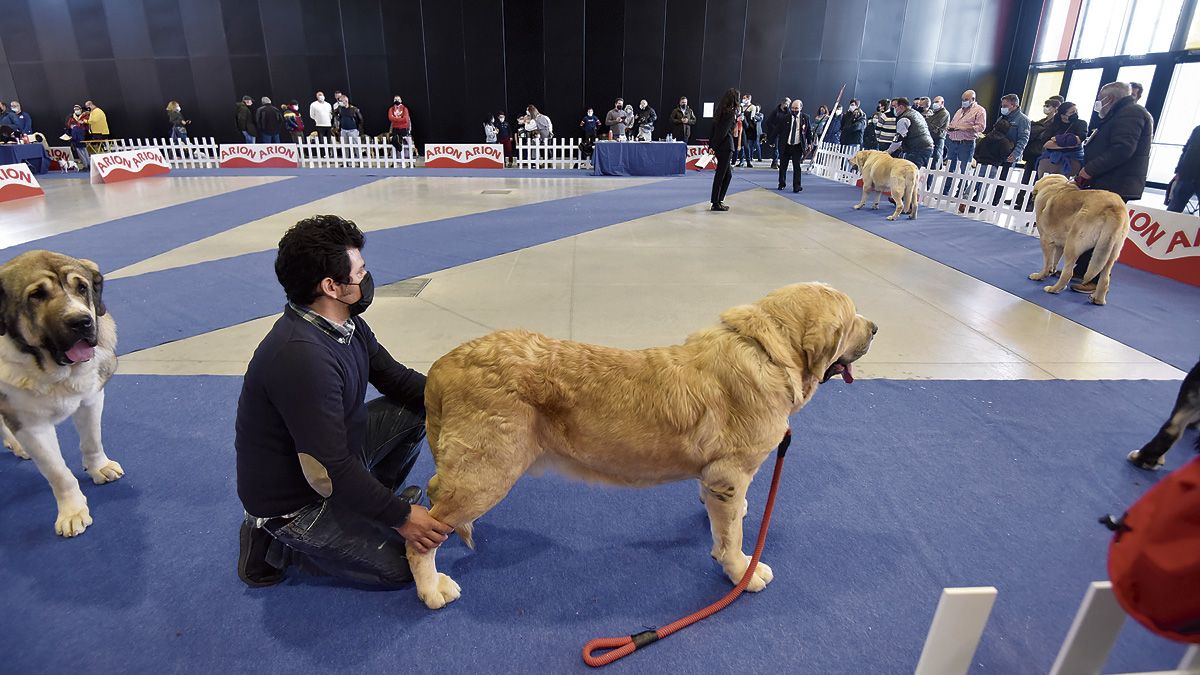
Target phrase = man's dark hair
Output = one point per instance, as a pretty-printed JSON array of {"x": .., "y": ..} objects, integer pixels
[
  {"x": 901, "y": 101},
  {"x": 313, "y": 249}
]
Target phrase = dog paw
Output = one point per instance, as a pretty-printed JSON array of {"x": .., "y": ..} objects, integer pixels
[
  {"x": 857, "y": 207},
  {"x": 762, "y": 575},
  {"x": 891, "y": 217},
  {"x": 16, "y": 448},
  {"x": 72, "y": 519},
  {"x": 1037, "y": 276},
  {"x": 1052, "y": 289},
  {"x": 106, "y": 473},
  {"x": 1096, "y": 300},
  {"x": 875, "y": 207},
  {"x": 447, "y": 591}
]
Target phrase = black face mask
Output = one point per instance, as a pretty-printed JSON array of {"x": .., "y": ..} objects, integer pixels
[{"x": 367, "y": 288}]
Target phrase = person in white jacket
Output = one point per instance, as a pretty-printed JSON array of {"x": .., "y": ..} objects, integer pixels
[{"x": 322, "y": 116}]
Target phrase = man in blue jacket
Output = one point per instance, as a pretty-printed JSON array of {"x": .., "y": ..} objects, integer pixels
[
  {"x": 317, "y": 466},
  {"x": 17, "y": 119}
]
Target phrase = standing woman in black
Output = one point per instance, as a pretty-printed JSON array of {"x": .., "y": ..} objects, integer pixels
[{"x": 722, "y": 145}]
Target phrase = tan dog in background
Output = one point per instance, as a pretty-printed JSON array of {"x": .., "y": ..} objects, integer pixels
[
  {"x": 1070, "y": 221},
  {"x": 711, "y": 409},
  {"x": 57, "y": 350},
  {"x": 883, "y": 173}
]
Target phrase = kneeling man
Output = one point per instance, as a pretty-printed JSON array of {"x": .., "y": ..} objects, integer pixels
[{"x": 317, "y": 466}]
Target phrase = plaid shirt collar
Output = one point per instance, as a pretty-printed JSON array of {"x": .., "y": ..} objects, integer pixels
[{"x": 343, "y": 333}]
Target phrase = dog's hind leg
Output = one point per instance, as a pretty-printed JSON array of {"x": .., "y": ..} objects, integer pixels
[
  {"x": 87, "y": 423},
  {"x": 726, "y": 503},
  {"x": 474, "y": 472},
  {"x": 1186, "y": 413},
  {"x": 11, "y": 441},
  {"x": 1071, "y": 253}
]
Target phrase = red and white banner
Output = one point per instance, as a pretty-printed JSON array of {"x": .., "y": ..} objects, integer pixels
[
  {"x": 61, "y": 158},
  {"x": 694, "y": 155},
  {"x": 17, "y": 182},
  {"x": 464, "y": 156},
  {"x": 112, "y": 167},
  {"x": 260, "y": 156},
  {"x": 1164, "y": 243}
]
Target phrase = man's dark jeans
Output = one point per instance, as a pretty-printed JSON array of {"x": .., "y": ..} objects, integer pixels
[{"x": 327, "y": 539}]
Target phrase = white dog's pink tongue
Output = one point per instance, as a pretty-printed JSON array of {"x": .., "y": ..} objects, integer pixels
[
  {"x": 81, "y": 351},
  {"x": 848, "y": 374}
]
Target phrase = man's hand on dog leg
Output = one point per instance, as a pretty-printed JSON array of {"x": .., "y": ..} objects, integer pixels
[{"x": 422, "y": 531}]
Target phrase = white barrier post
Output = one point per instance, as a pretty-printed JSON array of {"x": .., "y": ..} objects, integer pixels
[
  {"x": 955, "y": 631},
  {"x": 1092, "y": 634}
]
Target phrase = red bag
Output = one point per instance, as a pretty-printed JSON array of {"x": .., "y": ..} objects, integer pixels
[{"x": 1154, "y": 557}]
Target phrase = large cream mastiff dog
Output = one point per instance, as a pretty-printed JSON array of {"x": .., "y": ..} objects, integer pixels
[
  {"x": 883, "y": 173},
  {"x": 1070, "y": 221},
  {"x": 711, "y": 409},
  {"x": 57, "y": 350}
]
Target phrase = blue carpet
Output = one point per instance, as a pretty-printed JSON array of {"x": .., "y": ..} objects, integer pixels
[
  {"x": 124, "y": 241},
  {"x": 365, "y": 171},
  {"x": 160, "y": 307},
  {"x": 1152, "y": 314},
  {"x": 892, "y": 491}
]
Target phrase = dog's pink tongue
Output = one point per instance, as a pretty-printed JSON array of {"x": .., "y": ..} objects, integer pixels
[
  {"x": 848, "y": 374},
  {"x": 81, "y": 351}
]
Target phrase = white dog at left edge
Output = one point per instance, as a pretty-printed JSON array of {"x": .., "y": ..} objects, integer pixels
[{"x": 57, "y": 351}]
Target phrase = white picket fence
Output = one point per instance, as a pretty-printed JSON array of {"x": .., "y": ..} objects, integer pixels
[
  {"x": 205, "y": 153},
  {"x": 364, "y": 152},
  {"x": 969, "y": 193},
  {"x": 553, "y": 153},
  {"x": 193, "y": 153}
]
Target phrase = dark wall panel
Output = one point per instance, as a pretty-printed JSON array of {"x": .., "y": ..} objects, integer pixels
[{"x": 455, "y": 62}]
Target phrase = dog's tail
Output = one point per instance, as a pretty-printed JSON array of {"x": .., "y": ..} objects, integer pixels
[{"x": 914, "y": 193}]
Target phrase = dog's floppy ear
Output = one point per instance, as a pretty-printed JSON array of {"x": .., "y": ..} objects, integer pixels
[
  {"x": 97, "y": 286},
  {"x": 822, "y": 344},
  {"x": 752, "y": 322}
]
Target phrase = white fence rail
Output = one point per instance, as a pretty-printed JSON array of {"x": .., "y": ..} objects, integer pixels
[
  {"x": 193, "y": 153},
  {"x": 978, "y": 193},
  {"x": 365, "y": 152},
  {"x": 553, "y": 153}
]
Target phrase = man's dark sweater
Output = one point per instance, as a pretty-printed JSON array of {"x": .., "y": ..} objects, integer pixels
[{"x": 304, "y": 393}]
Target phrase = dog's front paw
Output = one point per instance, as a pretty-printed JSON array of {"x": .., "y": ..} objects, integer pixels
[
  {"x": 1037, "y": 276},
  {"x": 106, "y": 473},
  {"x": 15, "y": 446},
  {"x": 762, "y": 575},
  {"x": 1052, "y": 289},
  {"x": 1097, "y": 300},
  {"x": 73, "y": 518},
  {"x": 891, "y": 217},
  {"x": 447, "y": 591},
  {"x": 857, "y": 207},
  {"x": 874, "y": 207}
]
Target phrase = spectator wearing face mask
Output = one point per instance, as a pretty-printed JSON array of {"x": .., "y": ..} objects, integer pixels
[
  {"x": 912, "y": 135},
  {"x": 615, "y": 121},
  {"x": 350, "y": 120},
  {"x": 751, "y": 124},
  {"x": 269, "y": 120},
  {"x": 399, "y": 121},
  {"x": 795, "y": 140},
  {"x": 77, "y": 131},
  {"x": 490, "y": 132},
  {"x": 775, "y": 125},
  {"x": 885, "y": 124},
  {"x": 321, "y": 113},
  {"x": 821, "y": 121},
  {"x": 1033, "y": 149},
  {"x": 968, "y": 122},
  {"x": 683, "y": 119},
  {"x": 646, "y": 117},
  {"x": 18, "y": 119},
  {"x": 853, "y": 124},
  {"x": 1116, "y": 156},
  {"x": 1017, "y": 133},
  {"x": 177, "y": 121},
  {"x": 293, "y": 122},
  {"x": 590, "y": 125},
  {"x": 1062, "y": 142},
  {"x": 938, "y": 119},
  {"x": 1186, "y": 183},
  {"x": 504, "y": 135},
  {"x": 97, "y": 121}
]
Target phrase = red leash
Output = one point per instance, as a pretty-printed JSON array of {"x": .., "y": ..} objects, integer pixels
[{"x": 620, "y": 647}]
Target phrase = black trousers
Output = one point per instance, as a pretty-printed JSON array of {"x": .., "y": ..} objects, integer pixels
[
  {"x": 795, "y": 155},
  {"x": 328, "y": 539},
  {"x": 723, "y": 175}
]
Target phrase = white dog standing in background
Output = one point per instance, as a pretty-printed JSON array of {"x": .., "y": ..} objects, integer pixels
[
  {"x": 883, "y": 173},
  {"x": 57, "y": 351}
]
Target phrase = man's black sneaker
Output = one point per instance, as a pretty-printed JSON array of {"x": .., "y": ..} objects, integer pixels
[{"x": 253, "y": 568}]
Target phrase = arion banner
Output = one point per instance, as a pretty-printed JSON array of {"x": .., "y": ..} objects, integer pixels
[
  {"x": 1164, "y": 243},
  {"x": 112, "y": 167},
  {"x": 17, "y": 182}
]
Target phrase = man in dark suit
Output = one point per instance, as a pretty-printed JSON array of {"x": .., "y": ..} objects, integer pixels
[{"x": 795, "y": 139}]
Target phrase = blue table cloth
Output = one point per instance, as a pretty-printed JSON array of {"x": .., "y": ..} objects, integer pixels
[
  {"x": 33, "y": 154},
  {"x": 645, "y": 158}
]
